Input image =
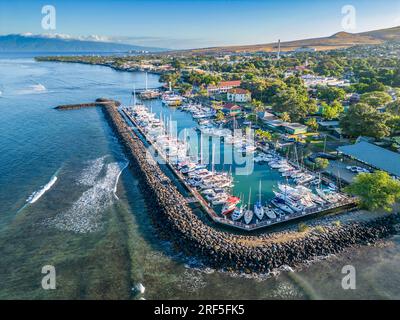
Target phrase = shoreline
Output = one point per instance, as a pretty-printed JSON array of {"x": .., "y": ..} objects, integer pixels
[
  {"x": 116, "y": 68},
  {"x": 221, "y": 249}
]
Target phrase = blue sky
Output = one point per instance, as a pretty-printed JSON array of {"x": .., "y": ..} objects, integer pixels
[{"x": 197, "y": 23}]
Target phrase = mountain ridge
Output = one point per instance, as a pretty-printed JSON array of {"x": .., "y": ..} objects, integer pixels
[{"x": 43, "y": 43}]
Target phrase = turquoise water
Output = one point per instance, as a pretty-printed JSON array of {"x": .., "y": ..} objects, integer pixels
[
  {"x": 37, "y": 143},
  {"x": 247, "y": 174}
]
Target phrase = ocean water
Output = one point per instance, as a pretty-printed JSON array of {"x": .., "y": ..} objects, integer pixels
[{"x": 67, "y": 199}]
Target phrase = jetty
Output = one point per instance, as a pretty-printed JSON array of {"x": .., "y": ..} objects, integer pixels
[
  {"x": 218, "y": 249},
  {"x": 100, "y": 102}
]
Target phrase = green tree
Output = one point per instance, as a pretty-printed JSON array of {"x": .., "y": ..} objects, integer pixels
[
  {"x": 312, "y": 124},
  {"x": 394, "y": 107},
  {"x": 376, "y": 98},
  {"x": 295, "y": 101},
  {"x": 285, "y": 116},
  {"x": 394, "y": 123},
  {"x": 171, "y": 77},
  {"x": 332, "y": 111},
  {"x": 220, "y": 116},
  {"x": 263, "y": 135},
  {"x": 375, "y": 190},
  {"x": 321, "y": 163},
  {"x": 364, "y": 120},
  {"x": 330, "y": 94}
]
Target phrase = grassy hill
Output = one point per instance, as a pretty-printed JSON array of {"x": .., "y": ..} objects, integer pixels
[{"x": 336, "y": 41}]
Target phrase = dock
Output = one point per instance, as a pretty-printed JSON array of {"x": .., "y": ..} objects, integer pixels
[{"x": 196, "y": 197}]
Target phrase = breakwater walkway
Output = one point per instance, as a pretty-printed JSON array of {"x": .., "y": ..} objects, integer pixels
[
  {"x": 98, "y": 103},
  {"x": 224, "y": 250}
]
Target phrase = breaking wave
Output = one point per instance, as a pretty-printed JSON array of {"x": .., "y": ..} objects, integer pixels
[
  {"x": 86, "y": 214},
  {"x": 35, "y": 88},
  {"x": 37, "y": 194},
  {"x": 91, "y": 172}
]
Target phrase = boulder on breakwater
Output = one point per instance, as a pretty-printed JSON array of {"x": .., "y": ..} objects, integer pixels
[
  {"x": 224, "y": 250},
  {"x": 100, "y": 102}
]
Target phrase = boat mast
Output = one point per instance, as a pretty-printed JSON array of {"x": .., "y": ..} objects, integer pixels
[
  {"x": 134, "y": 95},
  {"x": 248, "y": 205},
  {"x": 146, "y": 81},
  {"x": 212, "y": 158},
  {"x": 259, "y": 192},
  {"x": 201, "y": 147}
]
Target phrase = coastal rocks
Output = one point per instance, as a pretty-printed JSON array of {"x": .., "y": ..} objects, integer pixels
[{"x": 224, "y": 250}]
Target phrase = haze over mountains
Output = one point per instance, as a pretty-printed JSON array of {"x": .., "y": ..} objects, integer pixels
[{"x": 64, "y": 43}]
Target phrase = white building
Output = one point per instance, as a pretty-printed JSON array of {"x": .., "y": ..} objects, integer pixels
[{"x": 239, "y": 95}]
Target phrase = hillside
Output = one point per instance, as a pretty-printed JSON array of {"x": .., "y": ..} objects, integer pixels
[{"x": 336, "y": 41}]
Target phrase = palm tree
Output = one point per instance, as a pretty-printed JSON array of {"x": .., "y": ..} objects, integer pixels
[{"x": 285, "y": 117}]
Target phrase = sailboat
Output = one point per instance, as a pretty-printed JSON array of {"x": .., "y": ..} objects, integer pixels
[
  {"x": 258, "y": 208},
  {"x": 148, "y": 94},
  {"x": 248, "y": 214},
  {"x": 270, "y": 212},
  {"x": 238, "y": 212},
  {"x": 170, "y": 98}
]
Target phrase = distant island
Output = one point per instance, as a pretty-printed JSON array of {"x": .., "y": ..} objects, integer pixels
[{"x": 42, "y": 43}]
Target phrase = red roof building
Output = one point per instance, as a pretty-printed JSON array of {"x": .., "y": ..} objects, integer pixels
[
  {"x": 223, "y": 86},
  {"x": 231, "y": 109}
]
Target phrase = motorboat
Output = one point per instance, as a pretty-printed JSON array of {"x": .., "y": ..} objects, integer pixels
[
  {"x": 238, "y": 213},
  {"x": 230, "y": 205}
]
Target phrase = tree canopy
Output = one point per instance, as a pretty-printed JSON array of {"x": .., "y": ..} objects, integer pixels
[
  {"x": 330, "y": 94},
  {"x": 332, "y": 111},
  {"x": 375, "y": 190},
  {"x": 364, "y": 120},
  {"x": 376, "y": 98}
]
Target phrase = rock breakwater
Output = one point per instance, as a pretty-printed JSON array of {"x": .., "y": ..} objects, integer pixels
[{"x": 219, "y": 249}]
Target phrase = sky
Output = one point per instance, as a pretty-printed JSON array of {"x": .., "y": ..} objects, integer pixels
[{"x": 181, "y": 24}]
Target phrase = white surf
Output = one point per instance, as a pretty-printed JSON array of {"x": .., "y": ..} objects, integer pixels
[{"x": 38, "y": 194}]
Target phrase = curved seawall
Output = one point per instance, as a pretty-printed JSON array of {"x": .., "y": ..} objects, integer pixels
[{"x": 219, "y": 249}]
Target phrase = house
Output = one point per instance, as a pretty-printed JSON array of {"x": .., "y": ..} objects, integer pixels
[
  {"x": 231, "y": 109},
  {"x": 267, "y": 116},
  {"x": 329, "y": 125},
  {"x": 278, "y": 125},
  {"x": 295, "y": 128},
  {"x": 311, "y": 81},
  {"x": 223, "y": 86},
  {"x": 239, "y": 95}
]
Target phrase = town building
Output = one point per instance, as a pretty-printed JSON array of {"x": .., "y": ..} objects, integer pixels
[
  {"x": 231, "y": 109},
  {"x": 223, "y": 86},
  {"x": 239, "y": 95},
  {"x": 311, "y": 80},
  {"x": 373, "y": 156}
]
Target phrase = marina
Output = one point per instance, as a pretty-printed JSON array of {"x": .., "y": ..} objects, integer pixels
[{"x": 304, "y": 196}]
